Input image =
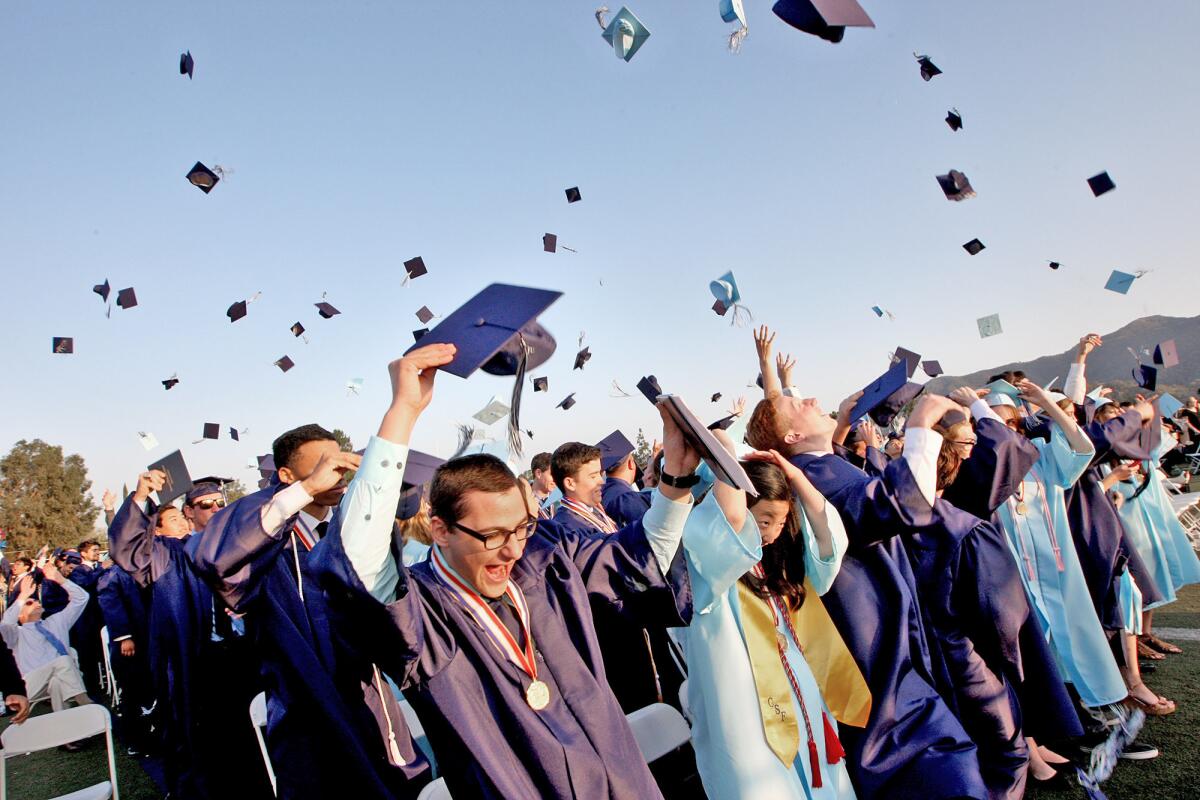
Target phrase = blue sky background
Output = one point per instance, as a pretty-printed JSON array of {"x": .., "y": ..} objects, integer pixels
[{"x": 362, "y": 134}]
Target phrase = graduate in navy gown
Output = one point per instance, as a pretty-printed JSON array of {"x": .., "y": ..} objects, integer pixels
[
  {"x": 333, "y": 723},
  {"x": 913, "y": 746},
  {"x": 491, "y": 638},
  {"x": 84, "y": 572},
  {"x": 621, "y": 500},
  {"x": 123, "y": 606}
]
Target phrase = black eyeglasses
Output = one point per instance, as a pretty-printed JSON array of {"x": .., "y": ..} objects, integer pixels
[
  {"x": 205, "y": 505},
  {"x": 495, "y": 539}
]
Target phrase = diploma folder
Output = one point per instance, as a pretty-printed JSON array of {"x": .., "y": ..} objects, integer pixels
[
  {"x": 723, "y": 463},
  {"x": 178, "y": 482}
]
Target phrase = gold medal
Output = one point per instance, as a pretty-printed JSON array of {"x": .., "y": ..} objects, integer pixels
[
  {"x": 782, "y": 641},
  {"x": 1021, "y": 508},
  {"x": 537, "y": 695}
]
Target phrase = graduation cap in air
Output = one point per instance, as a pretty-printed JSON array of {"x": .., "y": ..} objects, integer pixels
[
  {"x": 932, "y": 368},
  {"x": 989, "y": 326},
  {"x": 954, "y": 119},
  {"x": 573, "y": 195},
  {"x": 1101, "y": 184},
  {"x": 974, "y": 247},
  {"x": 716, "y": 396},
  {"x": 147, "y": 439},
  {"x": 955, "y": 186},
  {"x": 326, "y": 310},
  {"x": 169, "y": 383},
  {"x": 1168, "y": 405},
  {"x": 1146, "y": 376},
  {"x": 202, "y": 178},
  {"x": 1166, "y": 354},
  {"x": 725, "y": 290},
  {"x": 878, "y": 311},
  {"x": 567, "y": 402},
  {"x": 187, "y": 64},
  {"x": 424, "y": 314},
  {"x": 650, "y": 388},
  {"x": 297, "y": 329},
  {"x": 236, "y": 311},
  {"x": 911, "y": 360},
  {"x": 549, "y": 242},
  {"x": 62, "y": 344},
  {"x": 626, "y": 34},
  {"x": 614, "y": 449},
  {"x": 415, "y": 267},
  {"x": 1120, "y": 282},
  {"x": 419, "y": 469},
  {"x": 178, "y": 482},
  {"x": 417, "y": 334},
  {"x": 1055, "y": 265},
  {"x": 734, "y": 11},
  {"x": 928, "y": 68},
  {"x": 493, "y": 412},
  {"x": 724, "y": 423},
  {"x": 127, "y": 298},
  {"x": 883, "y": 398},
  {"x": 212, "y": 430},
  {"x": 827, "y": 19},
  {"x": 541, "y": 384},
  {"x": 102, "y": 289},
  {"x": 582, "y": 357},
  {"x": 233, "y": 434},
  {"x": 497, "y": 330},
  {"x": 285, "y": 364},
  {"x": 719, "y": 308}
]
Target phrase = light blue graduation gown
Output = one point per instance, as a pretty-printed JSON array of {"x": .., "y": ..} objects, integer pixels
[
  {"x": 732, "y": 754},
  {"x": 1061, "y": 598}
]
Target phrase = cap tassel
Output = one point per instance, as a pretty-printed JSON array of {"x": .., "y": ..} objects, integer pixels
[
  {"x": 814, "y": 763},
  {"x": 736, "y": 38},
  {"x": 600, "y": 12},
  {"x": 466, "y": 435},
  {"x": 514, "y": 412},
  {"x": 741, "y": 315},
  {"x": 834, "y": 752}
]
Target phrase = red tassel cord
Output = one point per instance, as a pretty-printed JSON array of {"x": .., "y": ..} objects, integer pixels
[{"x": 833, "y": 746}]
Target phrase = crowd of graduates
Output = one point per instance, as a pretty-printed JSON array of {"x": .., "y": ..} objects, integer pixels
[{"x": 929, "y": 597}]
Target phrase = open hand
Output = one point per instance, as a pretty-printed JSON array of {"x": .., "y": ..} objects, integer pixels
[
  {"x": 151, "y": 481},
  {"x": 965, "y": 396},
  {"x": 329, "y": 472},
  {"x": 763, "y": 338}
]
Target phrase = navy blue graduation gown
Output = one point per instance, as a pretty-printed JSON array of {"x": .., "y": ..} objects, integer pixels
[
  {"x": 489, "y": 743},
  {"x": 328, "y": 714},
  {"x": 85, "y": 633},
  {"x": 123, "y": 607},
  {"x": 913, "y": 745},
  {"x": 622, "y": 502},
  {"x": 180, "y": 626}
]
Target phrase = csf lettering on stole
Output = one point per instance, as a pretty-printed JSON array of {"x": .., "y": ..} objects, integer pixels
[{"x": 778, "y": 709}]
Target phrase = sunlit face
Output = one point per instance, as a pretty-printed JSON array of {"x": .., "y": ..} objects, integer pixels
[
  {"x": 894, "y": 447},
  {"x": 803, "y": 419},
  {"x": 91, "y": 553},
  {"x": 962, "y": 438},
  {"x": 1010, "y": 416},
  {"x": 486, "y": 570},
  {"x": 304, "y": 462},
  {"x": 172, "y": 523},
  {"x": 19, "y": 568},
  {"x": 585, "y": 484},
  {"x": 770, "y": 516},
  {"x": 1106, "y": 412},
  {"x": 543, "y": 481},
  {"x": 30, "y": 612},
  {"x": 201, "y": 509}
]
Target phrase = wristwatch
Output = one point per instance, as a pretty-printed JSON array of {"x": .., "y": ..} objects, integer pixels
[{"x": 683, "y": 482}]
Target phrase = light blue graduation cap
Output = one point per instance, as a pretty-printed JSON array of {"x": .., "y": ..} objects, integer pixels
[
  {"x": 878, "y": 311},
  {"x": 1120, "y": 282},
  {"x": 1168, "y": 404},
  {"x": 732, "y": 11},
  {"x": 989, "y": 326},
  {"x": 1003, "y": 387},
  {"x": 626, "y": 34},
  {"x": 725, "y": 290}
]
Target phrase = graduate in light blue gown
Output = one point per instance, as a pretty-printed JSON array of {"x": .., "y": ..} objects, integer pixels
[
  {"x": 748, "y": 573},
  {"x": 1039, "y": 535}
]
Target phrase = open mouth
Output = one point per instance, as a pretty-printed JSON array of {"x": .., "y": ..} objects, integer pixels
[{"x": 497, "y": 572}]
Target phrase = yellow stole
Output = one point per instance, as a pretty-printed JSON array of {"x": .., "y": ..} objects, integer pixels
[
  {"x": 837, "y": 674},
  {"x": 771, "y": 683}
]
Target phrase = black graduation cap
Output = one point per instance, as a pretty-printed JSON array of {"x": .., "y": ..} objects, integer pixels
[
  {"x": 1166, "y": 354},
  {"x": 202, "y": 178},
  {"x": 297, "y": 329},
  {"x": 886, "y": 395},
  {"x": 233, "y": 434},
  {"x": 567, "y": 402},
  {"x": 541, "y": 384},
  {"x": 424, "y": 314},
  {"x": 236, "y": 311},
  {"x": 716, "y": 396},
  {"x": 326, "y": 310},
  {"x": 127, "y": 298},
  {"x": 62, "y": 344},
  {"x": 178, "y": 482},
  {"x": 582, "y": 357},
  {"x": 102, "y": 289},
  {"x": 415, "y": 267},
  {"x": 419, "y": 469},
  {"x": 723, "y": 424},
  {"x": 932, "y": 368},
  {"x": 649, "y": 387},
  {"x": 285, "y": 364},
  {"x": 974, "y": 246},
  {"x": 614, "y": 448},
  {"x": 573, "y": 195},
  {"x": 212, "y": 430},
  {"x": 549, "y": 242},
  {"x": 169, "y": 383},
  {"x": 955, "y": 186},
  {"x": 928, "y": 68},
  {"x": 912, "y": 360},
  {"x": 954, "y": 119},
  {"x": 1146, "y": 376},
  {"x": 1100, "y": 184},
  {"x": 1055, "y": 265},
  {"x": 417, "y": 334},
  {"x": 187, "y": 64},
  {"x": 720, "y": 308},
  {"x": 827, "y": 19}
]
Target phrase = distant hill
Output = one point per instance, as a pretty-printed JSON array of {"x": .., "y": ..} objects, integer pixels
[{"x": 1112, "y": 364}]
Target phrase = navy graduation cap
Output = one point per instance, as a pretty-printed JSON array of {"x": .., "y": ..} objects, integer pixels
[
  {"x": 169, "y": 383},
  {"x": 567, "y": 402},
  {"x": 419, "y": 470},
  {"x": 1166, "y": 354},
  {"x": 954, "y": 119},
  {"x": 102, "y": 289},
  {"x": 178, "y": 482},
  {"x": 541, "y": 384},
  {"x": 974, "y": 247},
  {"x": 955, "y": 186},
  {"x": 932, "y": 368},
  {"x": 326, "y": 310},
  {"x": 202, "y": 178},
  {"x": 212, "y": 430},
  {"x": 827, "y": 19},
  {"x": 614, "y": 448},
  {"x": 1101, "y": 184},
  {"x": 236, "y": 311},
  {"x": 573, "y": 195},
  {"x": 928, "y": 68},
  {"x": 650, "y": 388},
  {"x": 912, "y": 360},
  {"x": 127, "y": 298},
  {"x": 886, "y": 395},
  {"x": 187, "y": 64},
  {"x": 582, "y": 357},
  {"x": 62, "y": 344},
  {"x": 1146, "y": 376},
  {"x": 549, "y": 242},
  {"x": 415, "y": 267}
]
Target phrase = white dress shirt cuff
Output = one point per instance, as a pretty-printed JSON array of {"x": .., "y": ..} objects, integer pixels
[
  {"x": 368, "y": 511},
  {"x": 981, "y": 410},
  {"x": 286, "y": 504},
  {"x": 1075, "y": 386},
  {"x": 123, "y": 638},
  {"x": 663, "y": 524},
  {"x": 921, "y": 448}
]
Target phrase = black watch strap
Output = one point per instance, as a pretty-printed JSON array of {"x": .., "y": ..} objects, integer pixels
[{"x": 682, "y": 482}]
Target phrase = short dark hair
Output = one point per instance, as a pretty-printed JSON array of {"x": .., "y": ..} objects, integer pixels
[
  {"x": 288, "y": 443},
  {"x": 540, "y": 462},
  {"x": 569, "y": 458},
  {"x": 27, "y": 561},
  {"x": 474, "y": 473},
  {"x": 1013, "y": 376},
  {"x": 86, "y": 543}
]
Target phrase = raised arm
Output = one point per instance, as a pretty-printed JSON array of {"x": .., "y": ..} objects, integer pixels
[
  {"x": 131, "y": 534},
  {"x": 763, "y": 339},
  {"x": 1075, "y": 386},
  {"x": 844, "y": 423},
  {"x": 999, "y": 461}
]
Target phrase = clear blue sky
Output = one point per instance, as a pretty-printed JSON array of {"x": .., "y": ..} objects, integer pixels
[{"x": 362, "y": 134}]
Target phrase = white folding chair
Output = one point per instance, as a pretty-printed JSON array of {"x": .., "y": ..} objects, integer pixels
[
  {"x": 435, "y": 790},
  {"x": 658, "y": 729},
  {"x": 56, "y": 729},
  {"x": 683, "y": 701},
  {"x": 110, "y": 677},
  {"x": 258, "y": 718}
]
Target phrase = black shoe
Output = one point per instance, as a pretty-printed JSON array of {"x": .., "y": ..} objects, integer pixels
[
  {"x": 1147, "y": 668},
  {"x": 1138, "y": 751},
  {"x": 1060, "y": 782}
]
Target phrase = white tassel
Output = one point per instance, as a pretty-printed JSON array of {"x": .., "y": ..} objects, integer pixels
[
  {"x": 736, "y": 38},
  {"x": 600, "y": 12},
  {"x": 741, "y": 315}
]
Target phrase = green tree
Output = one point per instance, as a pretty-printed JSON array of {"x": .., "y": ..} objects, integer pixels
[
  {"x": 641, "y": 453},
  {"x": 235, "y": 490},
  {"x": 343, "y": 440},
  {"x": 44, "y": 497}
]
